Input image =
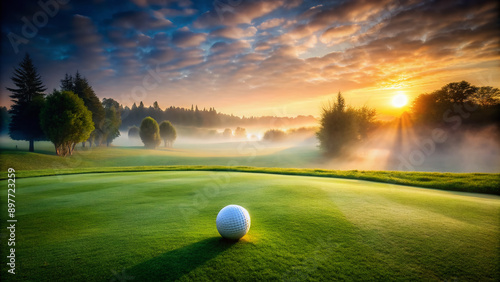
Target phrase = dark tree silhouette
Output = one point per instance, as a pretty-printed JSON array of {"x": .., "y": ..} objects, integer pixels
[
  {"x": 4, "y": 119},
  {"x": 455, "y": 98},
  {"x": 456, "y": 92},
  {"x": 28, "y": 99}
]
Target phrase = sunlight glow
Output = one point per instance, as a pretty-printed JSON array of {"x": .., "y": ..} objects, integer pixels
[{"x": 400, "y": 100}]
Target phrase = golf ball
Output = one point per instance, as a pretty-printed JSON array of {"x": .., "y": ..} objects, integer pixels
[{"x": 233, "y": 222}]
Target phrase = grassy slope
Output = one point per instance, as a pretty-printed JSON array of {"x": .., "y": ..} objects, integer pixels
[
  {"x": 161, "y": 225},
  {"x": 132, "y": 159},
  {"x": 464, "y": 182},
  {"x": 136, "y": 159},
  {"x": 239, "y": 153}
]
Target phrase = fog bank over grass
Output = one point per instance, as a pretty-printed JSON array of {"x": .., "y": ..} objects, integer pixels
[
  {"x": 388, "y": 148},
  {"x": 428, "y": 150}
]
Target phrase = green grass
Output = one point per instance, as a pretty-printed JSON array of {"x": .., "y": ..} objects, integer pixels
[
  {"x": 160, "y": 225},
  {"x": 488, "y": 183},
  {"x": 240, "y": 153}
]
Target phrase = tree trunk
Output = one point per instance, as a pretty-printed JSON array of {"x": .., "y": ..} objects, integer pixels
[
  {"x": 165, "y": 140},
  {"x": 83, "y": 144},
  {"x": 32, "y": 146}
]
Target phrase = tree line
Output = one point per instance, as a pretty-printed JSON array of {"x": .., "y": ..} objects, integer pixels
[
  {"x": 456, "y": 102},
  {"x": 34, "y": 116},
  {"x": 65, "y": 117},
  {"x": 454, "y": 105},
  {"x": 195, "y": 117}
]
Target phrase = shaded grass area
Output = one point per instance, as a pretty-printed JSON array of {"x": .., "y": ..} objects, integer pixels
[
  {"x": 487, "y": 183},
  {"x": 151, "y": 226}
]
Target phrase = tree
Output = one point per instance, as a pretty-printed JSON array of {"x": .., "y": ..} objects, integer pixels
[
  {"x": 4, "y": 119},
  {"x": 168, "y": 133},
  {"x": 240, "y": 133},
  {"x": 341, "y": 125},
  {"x": 427, "y": 110},
  {"x": 274, "y": 135},
  {"x": 486, "y": 96},
  {"x": 66, "y": 121},
  {"x": 133, "y": 132},
  {"x": 81, "y": 87},
  {"x": 27, "y": 101},
  {"x": 112, "y": 120},
  {"x": 432, "y": 109},
  {"x": 150, "y": 133},
  {"x": 366, "y": 120},
  {"x": 228, "y": 133},
  {"x": 456, "y": 92}
]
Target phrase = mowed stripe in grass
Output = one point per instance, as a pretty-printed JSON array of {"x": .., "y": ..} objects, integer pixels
[{"x": 161, "y": 225}]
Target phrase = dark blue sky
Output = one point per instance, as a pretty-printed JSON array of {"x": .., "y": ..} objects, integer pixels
[{"x": 254, "y": 57}]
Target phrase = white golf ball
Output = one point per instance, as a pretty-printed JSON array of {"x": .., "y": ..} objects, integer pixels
[{"x": 233, "y": 222}]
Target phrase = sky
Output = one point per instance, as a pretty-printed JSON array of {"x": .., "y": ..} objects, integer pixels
[{"x": 252, "y": 58}]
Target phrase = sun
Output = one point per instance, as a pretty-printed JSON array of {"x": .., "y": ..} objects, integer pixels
[{"x": 400, "y": 100}]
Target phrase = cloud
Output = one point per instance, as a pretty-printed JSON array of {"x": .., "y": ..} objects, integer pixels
[
  {"x": 88, "y": 42},
  {"x": 234, "y": 32},
  {"x": 271, "y": 23},
  {"x": 229, "y": 49},
  {"x": 166, "y": 12},
  {"x": 292, "y": 3},
  {"x": 161, "y": 40},
  {"x": 262, "y": 46},
  {"x": 333, "y": 34},
  {"x": 160, "y": 56},
  {"x": 264, "y": 51},
  {"x": 320, "y": 17},
  {"x": 185, "y": 38},
  {"x": 147, "y": 3},
  {"x": 185, "y": 59},
  {"x": 140, "y": 20},
  {"x": 242, "y": 12}
]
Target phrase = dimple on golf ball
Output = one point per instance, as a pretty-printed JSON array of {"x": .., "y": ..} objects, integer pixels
[{"x": 233, "y": 222}]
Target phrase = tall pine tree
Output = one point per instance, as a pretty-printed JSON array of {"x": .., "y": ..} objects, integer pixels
[
  {"x": 81, "y": 87},
  {"x": 28, "y": 100}
]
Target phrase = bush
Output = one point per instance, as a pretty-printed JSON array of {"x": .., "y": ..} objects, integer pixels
[
  {"x": 274, "y": 135},
  {"x": 240, "y": 133},
  {"x": 228, "y": 133},
  {"x": 133, "y": 132},
  {"x": 150, "y": 133},
  {"x": 342, "y": 126},
  {"x": 66, "y": 121},
  {"x": 301, "y": 133},
  {"x": 168, "y": 133}
]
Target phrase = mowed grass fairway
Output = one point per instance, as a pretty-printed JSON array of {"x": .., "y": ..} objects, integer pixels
[{"x": 161, "y": 226}]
